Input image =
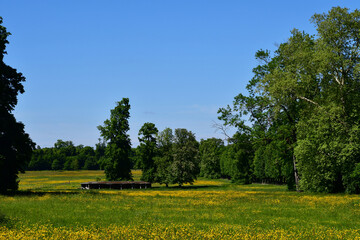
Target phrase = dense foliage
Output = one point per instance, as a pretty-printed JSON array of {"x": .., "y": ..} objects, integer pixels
[
  {"x": 117, "y": 162},
  {"x": 147, "y": 150},
  {"x": 15, "y": 145},
  {"x": 210, "y": 151},
  {"x": 236, "y": 159},
  {"x": 65, "y": 156},
  {"x": 174, "y": 157},
  {"x": 303, "y": 106}
]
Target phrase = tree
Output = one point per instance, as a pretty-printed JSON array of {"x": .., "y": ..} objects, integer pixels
[
  {"x": 273, "y": 121},
  {"x": 87, "y": 159},
  {"x": 147, "y": 149},
  {"x": 237, "y": 159},
  {"x": 328, "y": 147},
  {"x": 100, "y": 149},
  {"x": 209, "y": 155},
  {"x": 135, "y": 157},
  {"x": 184, "y": 166},
  {"x": 39, "y": 160},
  {"x": 304, "y": 100},
  {"x": 15, "y": 145},
  {"x": 117, "y": 162},
  {"x": 66, "y": 159},
  {"x": 165, "y": 158}
]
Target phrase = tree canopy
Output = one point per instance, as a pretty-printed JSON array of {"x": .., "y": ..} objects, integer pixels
[
  {"x": 15, "y": 145},
  {"x": 117, "y": 162},
  {"x": 184, "y": 167},
  {"x": 147, "y": 148},
  {"x": 303, "y": 106}
]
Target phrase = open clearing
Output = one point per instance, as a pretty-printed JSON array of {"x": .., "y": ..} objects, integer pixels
[{"x": 52, "y": 205}]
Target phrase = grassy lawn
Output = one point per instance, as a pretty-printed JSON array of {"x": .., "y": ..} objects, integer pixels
[{"x": 52, "y": 205}]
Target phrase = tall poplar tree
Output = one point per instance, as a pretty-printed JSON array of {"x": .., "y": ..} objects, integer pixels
[
  {"x": 117, "y": 163},
  {"x": 164, "y": 159},
  {"x": 147, "y": 149}
]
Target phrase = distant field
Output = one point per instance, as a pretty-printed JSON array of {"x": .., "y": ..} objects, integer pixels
[{"x": 52, "y": 205}]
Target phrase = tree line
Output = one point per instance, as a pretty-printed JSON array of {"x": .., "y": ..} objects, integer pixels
[
  {"x": 171, "y": 157},
  {"x": 66, "y": 156},
  {"x": 166, "y": 157}
]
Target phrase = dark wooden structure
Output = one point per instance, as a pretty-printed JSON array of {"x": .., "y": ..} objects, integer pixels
[{"x": 116, "y": 185}]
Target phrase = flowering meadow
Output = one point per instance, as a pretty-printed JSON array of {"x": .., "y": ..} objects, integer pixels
[{"x": 51, "y": 205}]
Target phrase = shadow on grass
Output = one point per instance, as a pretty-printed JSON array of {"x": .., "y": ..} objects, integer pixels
[
  {"x": 4, "y": 221},
  {"x": 191, "y": 187},
  {"x": 38, "y": 193}
]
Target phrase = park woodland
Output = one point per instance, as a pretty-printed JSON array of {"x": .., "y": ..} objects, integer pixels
[
  {"x": 285, "y": 162},
  {"x": 298, "y": 124}
]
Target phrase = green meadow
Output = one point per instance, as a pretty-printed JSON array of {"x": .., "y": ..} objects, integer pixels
[{"x": 51, "y": 205}]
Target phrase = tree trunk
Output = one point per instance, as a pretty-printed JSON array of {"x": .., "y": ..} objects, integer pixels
[{"x": 296, "y": 174}]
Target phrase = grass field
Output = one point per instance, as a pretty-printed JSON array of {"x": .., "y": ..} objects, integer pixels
[{"x": 51, "y": 205}]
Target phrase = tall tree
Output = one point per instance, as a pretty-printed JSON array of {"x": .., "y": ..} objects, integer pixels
[
  {"x": 147, "y": 148},
  {"x": 273, "y": 121},
  {"x": 15, "y": 145},
  {"x": 165, "y": 158},
  {"x": 184, "y": 167},
  {"x": 117, "y": 162},
  {"x": 305, "y": 101},
  {"x": 329, "y": 137}
]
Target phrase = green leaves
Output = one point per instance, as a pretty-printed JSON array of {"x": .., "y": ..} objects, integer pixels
[
  {"x": 184, "y": 167},
  {"x": 328, "y": 150},
  {"x": 147, "y": 150},
  {"x": 117, "y": 163},
  {"x": 210, "y": 151},
  {"x": 303, "y": 105}
]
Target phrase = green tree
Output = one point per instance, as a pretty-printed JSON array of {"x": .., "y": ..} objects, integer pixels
[
  {"x": 163, "y": 161},
  {"x": 273, "y": 121},
  {"x": 305, "y": 101},
  {"x": 210, "y": 151},
  {"x": 279, "y": 94},
  {"x": 15, "y": 145},
  {"x": 147, "y": 149},
  {"x": 87, "y": 159},
  {"x": 184, "y": 166},
  {"x": 39, "y": 160},
  {"x": 135, "y": 157},
  {"x": 100, "y": 149},
  {"x": 117, "y": 162},
  {"x": 328, "y": 147},
  {"x": 66, "y": 154},
  {"x": 237, "y": 159},
  {"x": 91, "y": 163}
]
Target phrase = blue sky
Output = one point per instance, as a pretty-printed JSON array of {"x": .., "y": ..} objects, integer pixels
[{"x": 177, "y": 61}]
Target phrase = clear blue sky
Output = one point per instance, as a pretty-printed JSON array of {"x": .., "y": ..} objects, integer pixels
[{"x": 177, "y": 61}]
